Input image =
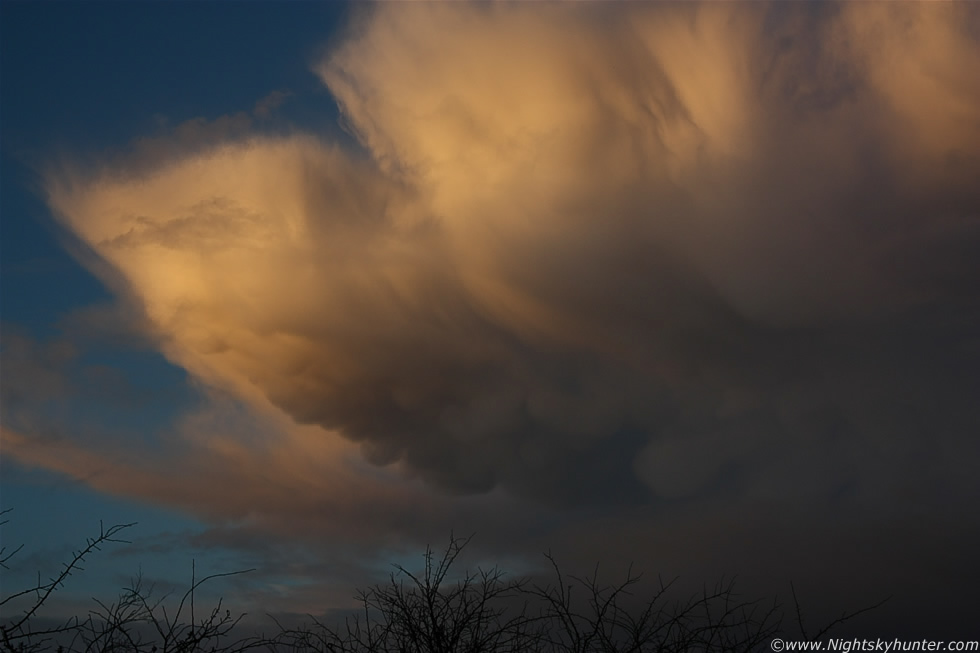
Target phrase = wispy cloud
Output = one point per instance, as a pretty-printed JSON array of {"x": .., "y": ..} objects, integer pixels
[{"x": 588, "y": 255}]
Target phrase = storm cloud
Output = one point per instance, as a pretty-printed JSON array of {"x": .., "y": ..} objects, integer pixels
[
  {"x": 591, "y": 253},
  {"x": 692, "y": 285}
]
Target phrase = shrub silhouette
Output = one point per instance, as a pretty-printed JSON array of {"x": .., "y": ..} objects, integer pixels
[
  {"x": 136, "y": 621},
  {"x": 432, "y": 611},
  {"x": 483, "y": 611}
]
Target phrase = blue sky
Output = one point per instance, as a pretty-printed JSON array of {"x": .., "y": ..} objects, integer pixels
[
  {"x": 306, "y": 287},
  {"x": 90, "y": 77}
]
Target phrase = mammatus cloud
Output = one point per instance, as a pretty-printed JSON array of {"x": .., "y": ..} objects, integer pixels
[
  {"x": 689, "y": 273},
  {"x": 589, "y": 253}
]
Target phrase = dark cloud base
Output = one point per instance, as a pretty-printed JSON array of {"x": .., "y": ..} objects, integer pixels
[{"x": 694, "y": 276}]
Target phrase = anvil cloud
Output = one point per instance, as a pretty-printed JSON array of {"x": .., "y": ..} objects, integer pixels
[
  {"x": 573, "y": 231},
  {"x": 588, "y": 254}
]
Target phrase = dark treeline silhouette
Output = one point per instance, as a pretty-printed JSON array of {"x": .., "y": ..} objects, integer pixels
[{"x": 434, "y": 610}]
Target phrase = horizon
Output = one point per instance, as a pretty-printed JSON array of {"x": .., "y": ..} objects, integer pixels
[{"x": 308, "y": 287}]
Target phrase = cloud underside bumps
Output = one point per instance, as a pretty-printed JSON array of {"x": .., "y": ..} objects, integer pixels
[{"x": 587, "y": 253}]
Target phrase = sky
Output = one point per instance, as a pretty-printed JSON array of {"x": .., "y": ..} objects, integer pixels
[{"x": 306, "y": 287}]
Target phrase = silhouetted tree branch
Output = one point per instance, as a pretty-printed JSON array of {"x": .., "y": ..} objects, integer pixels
[
  {"x": 432, "y": 610},
  {"x": 136, "y": 621},
  {"x": 18, "y": 635}
]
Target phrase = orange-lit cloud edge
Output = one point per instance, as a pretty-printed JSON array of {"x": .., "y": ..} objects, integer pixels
[{"x": 591, "y": 194}]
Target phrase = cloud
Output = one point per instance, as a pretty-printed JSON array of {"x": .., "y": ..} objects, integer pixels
[
  {"x": 693, "y": 285},
  {"x": 583, "y": 245},
  {"x": 270, "y": 103}
]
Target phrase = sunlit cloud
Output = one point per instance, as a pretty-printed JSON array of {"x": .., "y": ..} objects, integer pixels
[
  {"x": 580, "y": 242},
  {"x": 613, "y": 259}
]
